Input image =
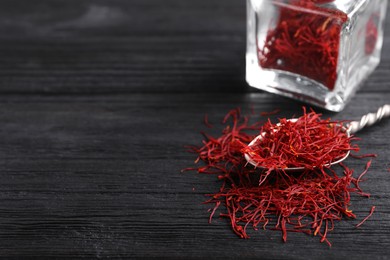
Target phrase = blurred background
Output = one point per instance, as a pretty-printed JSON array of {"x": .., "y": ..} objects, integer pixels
[{"x": 92, "y": 46}]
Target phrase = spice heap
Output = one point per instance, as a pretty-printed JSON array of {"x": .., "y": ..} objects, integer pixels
[
  {"x": 307, "y": 141},
  {"x": 308, "y": 202},
  {"x": 305, "y": 40}
]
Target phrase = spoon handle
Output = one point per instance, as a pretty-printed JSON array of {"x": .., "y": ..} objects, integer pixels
[{"x": 369, "y": 119}]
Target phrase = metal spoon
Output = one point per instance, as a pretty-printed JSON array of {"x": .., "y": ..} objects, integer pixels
[{"x": 351, "y": 128}]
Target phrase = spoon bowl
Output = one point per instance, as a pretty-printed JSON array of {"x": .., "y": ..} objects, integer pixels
[{"x": 249, "y": 159}]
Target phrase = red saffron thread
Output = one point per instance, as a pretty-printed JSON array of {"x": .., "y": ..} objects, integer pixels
[
  {"x": 368, "y": 216},
  {"x": 308, "y": 202},
  {"x": 363, "y": 156},
  {"x": 206, "y": 121},
  {"x": 274, "y": 112},
  {"x": 305, "y": 42}
]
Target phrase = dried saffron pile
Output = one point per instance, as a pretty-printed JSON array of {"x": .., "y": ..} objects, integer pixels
[
  {"x": 305, "y": 40},
  {"x": 309, "y": 202},
  {"x": 307, "y": 141}
]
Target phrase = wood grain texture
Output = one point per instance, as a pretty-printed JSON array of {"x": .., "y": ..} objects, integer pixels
[
  {"x": 100, "y": 176},
  {"x": 97, "y": 100}
]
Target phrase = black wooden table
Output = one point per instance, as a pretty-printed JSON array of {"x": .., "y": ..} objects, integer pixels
[{"x": 98, "y": 99}]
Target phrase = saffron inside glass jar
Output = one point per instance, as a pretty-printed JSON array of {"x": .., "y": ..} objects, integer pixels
[{"x": 318, "y": 51}]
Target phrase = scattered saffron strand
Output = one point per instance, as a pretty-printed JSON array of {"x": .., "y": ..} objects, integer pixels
[
  {"x": 368, "y": 216},
  {"x": 363, "y": 156},
  {"x": 364, "y": 172},
  {"x": 358, "y": 180},
  {"x": 274, "y": 112},
  {"x": 213, "y": 211},
  {"x": 206, "y": 121}
]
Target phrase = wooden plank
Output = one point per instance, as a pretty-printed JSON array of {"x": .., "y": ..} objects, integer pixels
[{"x": 100, "y": 176}]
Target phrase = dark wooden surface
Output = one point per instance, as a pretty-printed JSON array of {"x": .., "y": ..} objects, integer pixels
[{"x": 97, "y": 100}]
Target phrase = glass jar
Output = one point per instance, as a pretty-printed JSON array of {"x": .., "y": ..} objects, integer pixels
[{"x": 317, "y": 51}]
